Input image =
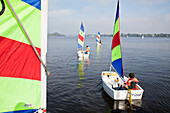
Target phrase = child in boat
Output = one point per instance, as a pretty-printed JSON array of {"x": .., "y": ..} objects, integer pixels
[
  {"x": 87, "y": 50},
  {"x": 100, "y": 42},
  {"x": 132, "y": 81},
  {"x": 130, "y": 84}
]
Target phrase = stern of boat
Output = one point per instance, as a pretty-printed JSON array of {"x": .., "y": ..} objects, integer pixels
[{"x": 80, "y": 54}]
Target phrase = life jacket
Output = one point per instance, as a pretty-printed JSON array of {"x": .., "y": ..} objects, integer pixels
[
  {"x": 87, "y": 49},
  {"x": 128, "y": 83}
]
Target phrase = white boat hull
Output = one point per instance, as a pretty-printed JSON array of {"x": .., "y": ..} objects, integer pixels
[
  {"x": 98, "y": 44},
  {"x": 109, "y": 81},
  {"x": 81, "y": 54}
]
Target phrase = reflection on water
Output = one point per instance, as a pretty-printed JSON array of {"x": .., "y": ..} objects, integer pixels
[
  {"x": 120, "y": 105},
  {"x": 148, "y": 59},
  {"x": 98, "y": 50},
  {"x": 82, "y": 65},
  {"x": 87, "y": 63},
  {"x": 80, "y": 73},
  {"x": 80, "y": 70}
]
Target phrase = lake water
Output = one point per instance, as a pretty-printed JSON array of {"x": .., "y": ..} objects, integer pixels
[{"x": 75, "y": 86}]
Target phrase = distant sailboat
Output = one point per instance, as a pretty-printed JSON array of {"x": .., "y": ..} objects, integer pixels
[
  {"x": 142, "y": 37},
  {"x": 112, "y": 79},
  {"x": 23, "y": 49},
  {"x": 80, "y": 52},
  {"x": 98, "y": 41}
]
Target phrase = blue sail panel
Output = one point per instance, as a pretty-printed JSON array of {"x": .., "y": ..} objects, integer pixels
[
  {"x": 23, "y": 111},
  {"x": 82, "y": 27},
  {"x": 34, "y": 3},
  {"x": 79, "y": 46},
  {"x": 117, "y": 64}
]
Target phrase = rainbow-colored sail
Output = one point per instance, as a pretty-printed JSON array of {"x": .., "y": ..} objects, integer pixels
[
  {"x": 22, "y": 77},
  {"x": 116, "y": 46},
  {"x": 98, "y": 37},
  {"x": 81, "y": 37}
]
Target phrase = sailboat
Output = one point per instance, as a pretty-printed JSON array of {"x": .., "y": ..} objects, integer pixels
[
  {"x": 80, "y": 52},
  {"x": 23, "y": 49},
  {"x": 98, "y": 41},
  {"x": 142, "y": 36},
  {"x": 110, "y": 78}
]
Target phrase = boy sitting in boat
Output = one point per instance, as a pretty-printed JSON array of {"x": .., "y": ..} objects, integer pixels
[
  {"x": 100, "y": 42},
  {"x": 87, "y": 50},
  {"x": 130, "y": 84},
  {"x": 132, "y": 81}
]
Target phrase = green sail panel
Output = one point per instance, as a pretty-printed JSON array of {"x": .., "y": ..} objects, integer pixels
[
  {"x": 116, "y": 53},
  {"x": 22, "y": 94},
  {"x": 29, "y": 17},
  {"x": 116, "y": 27}
]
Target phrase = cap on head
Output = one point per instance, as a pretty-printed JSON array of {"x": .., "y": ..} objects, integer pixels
[{"x": 131, "y": 75}]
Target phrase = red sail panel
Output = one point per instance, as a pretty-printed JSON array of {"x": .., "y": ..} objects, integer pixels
[
  {"x": 116, "y": 40},
  {"x": 26, "y": 62},
  {"x": 81, "y": 38}
]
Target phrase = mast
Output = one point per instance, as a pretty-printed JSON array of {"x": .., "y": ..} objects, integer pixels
[
  {"x": 44, "y": 20},
  {"x": 116, "y": 60}
]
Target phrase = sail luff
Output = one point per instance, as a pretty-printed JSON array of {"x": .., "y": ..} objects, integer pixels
[
  {"x": 44, "y": 20},
  {"x": 116, "y": 46}
]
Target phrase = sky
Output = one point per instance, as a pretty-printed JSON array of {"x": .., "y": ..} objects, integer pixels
[{"x": 136, "y": 16}]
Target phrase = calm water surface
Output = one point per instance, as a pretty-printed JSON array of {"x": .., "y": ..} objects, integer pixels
[{"x": 75, "y": 86}]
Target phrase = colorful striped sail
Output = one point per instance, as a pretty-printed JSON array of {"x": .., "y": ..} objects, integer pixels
[
  {"x": 98, "y": 37},
  {"x": 81, "y": 37},
  {"x": 116, "y": 46},
  {"x": 22, "y": 77}
]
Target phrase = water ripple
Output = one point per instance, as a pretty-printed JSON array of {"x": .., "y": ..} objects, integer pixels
[{"x": 75, "y": 86}]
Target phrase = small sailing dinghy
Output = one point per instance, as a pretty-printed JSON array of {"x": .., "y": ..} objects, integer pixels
[
  {"x": 143, "y": 37},
  {"x": 80, "y": 52},
  {"x": 112, "y": 79},
  {"x": 23, "y": 49},
  {"x": 98, "y": 41}
]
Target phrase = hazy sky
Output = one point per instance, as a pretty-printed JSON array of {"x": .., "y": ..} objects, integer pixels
[{"x": 136, "y": 16}]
